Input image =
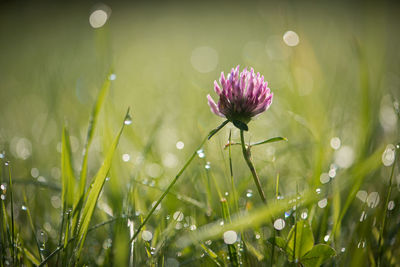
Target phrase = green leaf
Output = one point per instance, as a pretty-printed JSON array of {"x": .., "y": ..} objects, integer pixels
[
  {"x": 280, "y": 243},
  {"x": 94, "y": 192},
  {"x": 300, "y": 240},
  {"x": 317, "y": 255},
  {"x": 241, "y": 125},
  {"x": 270, "y": 140},
  {"x": 67, "y": 172}
]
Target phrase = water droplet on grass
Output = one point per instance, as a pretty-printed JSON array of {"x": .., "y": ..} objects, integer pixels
[
  {"x": 373, "y": 199},
  {"x": 391, "y": 205},
  {"x": 178, "y": 216},
  {"x": 230, "y": 237},
  {"x": 304, "y": 215},
  {"x": 318, "y": 190},
  {"x": 126, "y": 157},
  {"x": 389, "y": 155},
  {"x": 326, "y": 238},
  {"x": 23, "y": 207},
  {"x": 335, "y": 143},
  {"x": 324, "y": 178},
  {"x": 207, "y": 166},
  {"x": 322, "y": 203},
  {"x": 147, "y": 235},
  {"x": 249, "y": 193},
  {"x": 343, "y": 250},
  {"x": 34, "y": 172},
  {"x": 128, "y": 120},
  {"x": 279, "y": 224},
  {"x": 201, "y": 153},
  {"x": 112, "y": 77}
]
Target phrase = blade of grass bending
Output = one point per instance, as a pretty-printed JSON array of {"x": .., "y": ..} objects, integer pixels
[
  {"x": 209, "y": 135},
  {"x": 89, "y": 138},
  {"x": 270, "y": 140},
  {"x": 95, "y": 189}
]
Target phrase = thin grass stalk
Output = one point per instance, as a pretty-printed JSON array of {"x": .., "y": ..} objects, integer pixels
[
  {"x": 12, "y": 216},
  {"x": 382, "y": 228}
]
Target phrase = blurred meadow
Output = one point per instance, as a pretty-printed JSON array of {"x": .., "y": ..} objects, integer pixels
[{"x": 334, "y": 69}]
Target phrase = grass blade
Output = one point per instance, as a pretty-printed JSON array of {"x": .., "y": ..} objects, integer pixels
[
  {"x": 92, "y": 126},
  {"x": 94, "y": 191}
]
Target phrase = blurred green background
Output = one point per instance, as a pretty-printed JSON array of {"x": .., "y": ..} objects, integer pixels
[{"x": 333, "y": 68}]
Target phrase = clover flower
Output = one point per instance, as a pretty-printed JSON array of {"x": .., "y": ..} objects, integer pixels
[{"x": 241, "y": 96}]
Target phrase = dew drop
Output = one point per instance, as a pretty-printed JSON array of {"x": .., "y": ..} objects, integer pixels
[
  {"x": 193, "y": 227},
  {"x": 373, "y": 199},
  {"x": 332, "y": 173},
  {"x": 3, "y": 197},
  {"x": 389, "y": 155},
  {"x": 326, "y": 238},
  {"x": 304, "y": 215},
  {"x": 287, "y": 214},
  {"x": 180, "y": 145},
  {"x": 208, "y": 242},
  {"x": 335, "y": 143},
  {"x": 226, "y": 194},
  {"x": 23, "y": 207},
  {"x": 208, "y": 165},
  {"x": 126, "y": 157},
  {"x": 391, "y": 205},
  {"x": 230, "y": 237},
  {"x": 318, "y": 190},
  {"x": 249, "y": 193},
  {"x": 178, "y": 216},
  {"x": 279, "y": 224},
  {"x": 147, "y": 235},
  {"x": 128, "y": 120},
  {"x": 362, "y": 195},
  {"x": 324, "y": 178},
  {"x": 322, "y": 203},
  {"x": 112, "y": 77},
  {"x": 201, "y": 153},
  {"x": 343, "y": 250}
]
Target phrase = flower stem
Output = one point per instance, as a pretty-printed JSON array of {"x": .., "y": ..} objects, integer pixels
[{"x": 247, "y": 157}]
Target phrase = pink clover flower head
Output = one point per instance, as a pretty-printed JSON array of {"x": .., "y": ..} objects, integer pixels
[{"x": 241, "y": 95}]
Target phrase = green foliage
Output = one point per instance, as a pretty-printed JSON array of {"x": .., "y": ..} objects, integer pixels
[{"x": 299, "y": 246}]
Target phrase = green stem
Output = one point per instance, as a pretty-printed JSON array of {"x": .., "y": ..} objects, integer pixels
[
  {"x": 247, "y": 157},
  {"x": 213, "y": 132},
  {"x": 12, "y": 215},
  {"x": 380, "y": 242}
]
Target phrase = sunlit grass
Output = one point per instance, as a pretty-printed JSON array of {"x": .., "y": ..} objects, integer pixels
[{"x": 158, "y": 194}]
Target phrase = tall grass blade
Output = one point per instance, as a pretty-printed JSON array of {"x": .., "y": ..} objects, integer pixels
[
  {"x": 94, "y": 191},
  {"x": 92, "y": 126}
]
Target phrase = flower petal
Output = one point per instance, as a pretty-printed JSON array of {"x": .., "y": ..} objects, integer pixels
[{"x": 214, "y": 107}]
